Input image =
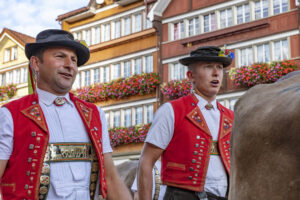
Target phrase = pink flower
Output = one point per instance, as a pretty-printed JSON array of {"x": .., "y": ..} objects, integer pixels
[{"x": 262, "y": 73}]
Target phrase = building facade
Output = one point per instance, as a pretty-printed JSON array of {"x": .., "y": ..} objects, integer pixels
[
  {"x": 122, "y": 43},
  {"x": 129, "y": 37},
  {"x": 257, "y": 31},
  {"x": 13, "y": 61}
]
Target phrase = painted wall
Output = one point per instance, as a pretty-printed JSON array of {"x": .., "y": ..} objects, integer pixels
[{"x": 7, "y": 43}]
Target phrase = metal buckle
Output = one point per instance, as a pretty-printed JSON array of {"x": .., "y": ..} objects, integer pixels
[
  {"x": 202, "y": 195},
  {"x": 214, "y": 148},
  {"x": 62, "y": 152}
]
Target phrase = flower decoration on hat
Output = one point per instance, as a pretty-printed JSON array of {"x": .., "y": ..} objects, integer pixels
[
  {"x": 224, "y": 52},
  {"x": 82, "y": 42}
]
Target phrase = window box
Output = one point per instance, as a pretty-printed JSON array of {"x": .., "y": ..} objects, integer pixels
[
  {"x": 249, "y": 76},
  {"x": 140, "y": 84}
]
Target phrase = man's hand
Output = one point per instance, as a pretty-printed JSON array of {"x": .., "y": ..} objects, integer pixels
[
  {"x": 2, "y": 167},
  {"x": 135, "y": 197},
  {"x": 148, "y": 158},
  {"x": 116, "y": 189}
]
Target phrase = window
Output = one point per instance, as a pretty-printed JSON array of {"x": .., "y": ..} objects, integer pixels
[
  {"x": 116, "y": 119},
  {"x": 106, "y": 32},
  {"x": 178, "y": 71},
  {"x": 127, "y": 68},
  {"x": 263, "y": 53},
  {"x": 96, "y": 75},
  {"x": 88, "y": 37},
  {"x": 105, "y": 74},
  {"x": 79, "y": 36},
  {"x": 2, "y": 79},
  {"x": 280, "y": 6},
  {"x": 178, "y": 30},
  {"x": 95, "y": 35},
  {"x": 194, "y": 26},
  {"x": 6, "y": 55},
  {"x": 9, "y": 78},
  {"x": 209, "y": 22},
  {"x": 128, "y": 117},
  {"x": 226, "y": 18},
  {"x": 149, "y": 113},
  {"x": 149, "y": 64},
  {"x": 17, "y": 77},
  {"x": 281, "y": 49},
  {"x": 246, "y": 57},
  {"x": 107, "y": 119},
  {"x": 75, "y": 36},
  {"x": 261, "y": 9},
  {"x": 127, "y": 26},
  {"x": 243, "y": 14},
  {"x": 148, "y": 24},
  {"x": 138, "y": 66},
  {"x": 137, "y": 22},
  {"x": 14, "y": 53},
  {"x": 77, "y": 81},
  {"x": 87, "y": 78},
  {"x": 117, "y": 33},
  {"x": 25, "y": 75},
  {"x": 139, "y": 115},
  {"x": 84, "y": 35},
  {"x": 116, "y": 71}
]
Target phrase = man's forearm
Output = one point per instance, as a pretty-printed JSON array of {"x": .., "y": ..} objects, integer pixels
[
  {"x": 117, "y": 190},
  {"x": 2, "y": 167},
  {"x": 145, "y": 181}
]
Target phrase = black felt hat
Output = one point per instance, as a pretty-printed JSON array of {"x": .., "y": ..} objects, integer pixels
[
  {"x": 207, "y": 53},
  {"x": 56, "y": 37}
]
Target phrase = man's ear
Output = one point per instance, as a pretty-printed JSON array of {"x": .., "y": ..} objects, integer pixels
[
  {"x": 35, "y": 63},
  {"x": 190, "y": 75}
]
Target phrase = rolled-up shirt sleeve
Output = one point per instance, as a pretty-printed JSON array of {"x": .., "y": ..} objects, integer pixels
[
  {"x": 162, "y": 128},
  {"x": 105, "y": 135},
  {"x": 6, "y": 134}
]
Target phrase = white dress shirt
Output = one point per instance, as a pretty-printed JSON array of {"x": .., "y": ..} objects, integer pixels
[
  {"x": 161, "y": 133},
  {"x": 69, "y": 180},
  {"x": 162, "y": 189}
]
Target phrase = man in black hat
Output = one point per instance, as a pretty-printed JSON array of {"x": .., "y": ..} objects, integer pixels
[
  {"x": 52, "y": 144},
  {"x": 192, "y": 135}
]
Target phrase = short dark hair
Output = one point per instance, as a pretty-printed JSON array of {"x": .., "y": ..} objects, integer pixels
[{"x": 39, "y": 53}]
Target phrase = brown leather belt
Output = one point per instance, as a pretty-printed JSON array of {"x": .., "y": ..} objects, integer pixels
[
  {"x": 196, "y": 195},
  {"x": 68, "y": 152}
]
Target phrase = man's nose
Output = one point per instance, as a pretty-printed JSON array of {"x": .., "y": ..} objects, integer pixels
[
  {"x": 69, "y": 62},
  {"x": 216, "y": 71}
]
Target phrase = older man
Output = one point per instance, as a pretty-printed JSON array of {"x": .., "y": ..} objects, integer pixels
[
  {"x": 52, "y": 144},
  {"x": 192, "y": 135}
]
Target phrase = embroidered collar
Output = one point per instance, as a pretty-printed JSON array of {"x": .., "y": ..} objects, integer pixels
[{"x": 202, "y": 102}]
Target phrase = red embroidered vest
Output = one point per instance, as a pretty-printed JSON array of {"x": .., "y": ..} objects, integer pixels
[
  {"x": 186, "y": 159},
  {"x": 21, "y": 179}
]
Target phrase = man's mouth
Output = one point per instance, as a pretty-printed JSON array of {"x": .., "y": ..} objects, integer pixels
[
  {"x": 67, "y": 75},
  {"x": 215, "y": 82}
]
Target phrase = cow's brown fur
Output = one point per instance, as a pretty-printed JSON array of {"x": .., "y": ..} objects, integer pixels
[{"x": 265, "y": 155}]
